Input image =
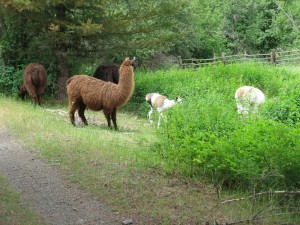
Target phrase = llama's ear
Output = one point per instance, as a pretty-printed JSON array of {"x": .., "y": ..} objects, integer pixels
[{"x": 133, "y": 62}]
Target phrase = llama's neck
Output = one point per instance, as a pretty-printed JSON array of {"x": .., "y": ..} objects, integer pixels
[{"x": 125, "y": 86}]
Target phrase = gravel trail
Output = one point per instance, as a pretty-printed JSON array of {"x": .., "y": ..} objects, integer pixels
[{"x": 45, "y": 189}]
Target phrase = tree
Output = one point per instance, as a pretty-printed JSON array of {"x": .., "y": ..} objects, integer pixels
[
  {"x": 260, "y": 25},
  {"x": 204, "y": 37},
  {"x": 286, "y": 24},
  {"x": 70, "y": 30},
  {"x": 246, "y": 25}
]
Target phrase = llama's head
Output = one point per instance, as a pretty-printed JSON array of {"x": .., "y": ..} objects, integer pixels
[
  {"x": 129, "y": 62},
  {"x": 22, "y": 91}
]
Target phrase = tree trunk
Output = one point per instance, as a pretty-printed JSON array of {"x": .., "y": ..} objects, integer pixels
[{"x": 63, "y": 75}]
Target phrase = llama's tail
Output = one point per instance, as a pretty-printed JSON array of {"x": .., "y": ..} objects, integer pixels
[{"x": 35, "y": 78}]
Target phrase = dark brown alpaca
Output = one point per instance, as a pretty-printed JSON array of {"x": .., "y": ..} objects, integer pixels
[
  {"x": 89, "y": 92},
  {"x": 107, "y": 72},
  {"x": 34, "y": 82}
]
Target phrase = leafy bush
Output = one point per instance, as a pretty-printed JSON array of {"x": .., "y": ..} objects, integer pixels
[
  {"x": 204, "y": 137},
  {"x": 10, "y": 79}
]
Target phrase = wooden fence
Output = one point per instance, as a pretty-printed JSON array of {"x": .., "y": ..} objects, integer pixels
[{"x": 275, "y": 58}]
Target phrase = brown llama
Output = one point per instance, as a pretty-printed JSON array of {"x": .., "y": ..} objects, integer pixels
[
  {"x": 89, "y": 92},
  {"x": 34, "y": 82}
]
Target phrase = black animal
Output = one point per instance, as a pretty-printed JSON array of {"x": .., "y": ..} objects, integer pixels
[{"x": 108, "y": 72}]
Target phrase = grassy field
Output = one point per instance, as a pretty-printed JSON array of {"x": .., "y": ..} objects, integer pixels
[
  {"x": 128, "y": 168},
  {"x": 114, "y": 166}
]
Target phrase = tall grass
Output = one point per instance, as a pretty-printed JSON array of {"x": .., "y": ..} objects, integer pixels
[{"x": 204, "y": 137}]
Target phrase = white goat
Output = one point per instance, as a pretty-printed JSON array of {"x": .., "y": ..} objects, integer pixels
[
  {"x": 160, "y": 103},
  {"x": 248, "y": 99}
]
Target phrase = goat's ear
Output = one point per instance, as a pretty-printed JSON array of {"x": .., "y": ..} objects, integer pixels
[{"x": 178, "y": 98}]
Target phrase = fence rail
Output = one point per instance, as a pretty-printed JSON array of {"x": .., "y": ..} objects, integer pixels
[{"x": 274, "y": 57}]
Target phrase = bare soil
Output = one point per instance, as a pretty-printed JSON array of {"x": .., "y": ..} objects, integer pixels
[{"x": 46, "y": 190}]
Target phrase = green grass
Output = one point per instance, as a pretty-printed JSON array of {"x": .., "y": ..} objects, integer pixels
[
  {"x": 12, "y": 212},
  {"x": 205, "y": 138},
  {"x": 138, "y": 169},
  {"x": 115, "y": 166}
]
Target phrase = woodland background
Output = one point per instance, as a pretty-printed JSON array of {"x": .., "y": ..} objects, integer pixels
[{"x": 69, "y": 35}]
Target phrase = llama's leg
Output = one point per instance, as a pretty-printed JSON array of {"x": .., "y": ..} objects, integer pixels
[
  {"x": 34, "y": 100},
  {"x": 239, "y": 108},
  {"x": 72, "y": 109},
  {"x": 242, "y": 108},
  {"x": 255, "y": 108},
  {"x": 22, "y": 95},
  {"x": 39, "y": 99},
  {"x": 114, "y": 118},
  {"x": 107, "y": 114},
  {"x": 150, "y": 115},
  {"x": 32, "y": 94},
  {"x": 39, "y": 92},
  {"x": 81, "y": 110}
]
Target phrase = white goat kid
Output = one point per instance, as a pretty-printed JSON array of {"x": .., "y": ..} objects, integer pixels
[
  {"x": 160, "y": 103},
  {"x": 248, "y": 99}
]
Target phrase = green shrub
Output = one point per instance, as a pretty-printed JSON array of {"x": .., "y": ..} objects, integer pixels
[
  {"x": 10, "y": 79},
  {"x": 286, "y": 106},
  {"x": 204, "y": 137}
]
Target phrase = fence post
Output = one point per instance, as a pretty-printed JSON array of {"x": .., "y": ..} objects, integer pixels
[
  {"x": 224, "y": 58},
  {"x": 245, "y": 56},
  {"x": 214, "y": 59},
  {"x": 179, "y": 60},
  {"x": 273, "y": 57}
]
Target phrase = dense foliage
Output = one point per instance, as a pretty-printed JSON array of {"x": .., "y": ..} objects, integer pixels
[
  {"x": 66, "y": 35},
  {"x": 238, "y": 26},
  {"x": 204, "y": 137}
]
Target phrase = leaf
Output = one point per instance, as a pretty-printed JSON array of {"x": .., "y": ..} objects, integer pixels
[{"x": 54, "y": 27}]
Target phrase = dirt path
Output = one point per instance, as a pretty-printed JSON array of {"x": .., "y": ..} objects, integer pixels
[{"x": 45, "y": 189}]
